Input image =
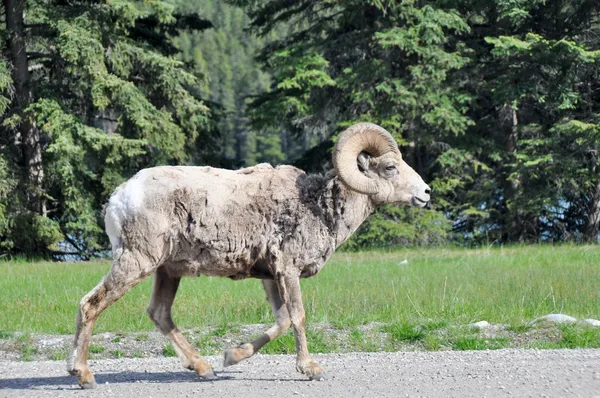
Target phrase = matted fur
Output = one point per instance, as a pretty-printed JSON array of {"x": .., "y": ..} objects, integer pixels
[
  {"x": 203, "y": 220},
  {"x": 275, "y": 224}
]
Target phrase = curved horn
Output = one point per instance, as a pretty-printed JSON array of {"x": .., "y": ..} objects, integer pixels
[{"x": 367, "y": 137}]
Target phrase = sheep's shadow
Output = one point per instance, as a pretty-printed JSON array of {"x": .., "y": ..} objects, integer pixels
[{"x": 69, "y": 382}]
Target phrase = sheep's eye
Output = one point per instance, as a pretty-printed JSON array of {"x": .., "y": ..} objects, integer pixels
[{"x": 390, "y": 167}]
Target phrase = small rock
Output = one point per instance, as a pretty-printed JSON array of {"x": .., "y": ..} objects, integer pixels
[
  {"x": 405, "y": 261},
  {"x": 555, "y": 318},
  {"x": 479, "y": 325},
  {"x": 50, "y": 342},
  {"x": 593, "y": 322}
]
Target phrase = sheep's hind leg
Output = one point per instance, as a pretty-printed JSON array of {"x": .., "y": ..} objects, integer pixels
[
  {"x": 159, "y": 310},
  {"x": 126, "y": 272},
  {"x": 282, "y": 324}
]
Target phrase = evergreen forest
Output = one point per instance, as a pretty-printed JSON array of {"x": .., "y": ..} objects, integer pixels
[{"x": 495, "y": 103}]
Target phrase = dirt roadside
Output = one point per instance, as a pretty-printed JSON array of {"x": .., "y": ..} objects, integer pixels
[{"x": 523, "y": 373}]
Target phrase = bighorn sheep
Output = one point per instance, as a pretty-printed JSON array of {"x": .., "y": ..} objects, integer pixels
[{"x": 274, "y": 224}]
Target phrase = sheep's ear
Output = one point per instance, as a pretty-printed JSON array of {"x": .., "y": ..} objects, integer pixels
[{"x": 363, "y": 161}]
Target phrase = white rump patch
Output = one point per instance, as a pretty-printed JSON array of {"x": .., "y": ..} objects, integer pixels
[{"x": 123, "y": 203}]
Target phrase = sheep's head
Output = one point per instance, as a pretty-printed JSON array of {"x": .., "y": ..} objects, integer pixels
[{"x": 367, "y": 159}]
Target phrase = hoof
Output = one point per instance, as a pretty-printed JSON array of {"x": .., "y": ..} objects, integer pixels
[
  {"x": 209, "y": 375},
  {"x": 87, "y": 381},
  {"x": 85, "y": 378},
  {"x": 204, "y": 370},
  {"x": 88, "y": 386},
  {"x": 229, "y": 358},
  {"x": 311, "y": 369},
  {"x": 237, "y": 354}
]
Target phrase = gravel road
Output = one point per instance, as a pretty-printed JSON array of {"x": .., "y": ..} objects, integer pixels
[{"x": 520, "y": 373}]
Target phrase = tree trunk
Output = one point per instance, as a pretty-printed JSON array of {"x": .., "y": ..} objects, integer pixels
[
  {"x": 31, "y": 147},
  {"x": 511, "y": 137},
  {"x": 510, "y": 123},
  {"x": 241, "y": 156},
  {"x": 592, "y": 227}
]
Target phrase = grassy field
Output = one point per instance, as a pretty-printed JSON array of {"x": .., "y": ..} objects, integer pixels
[{"x": 434, "y": 286}]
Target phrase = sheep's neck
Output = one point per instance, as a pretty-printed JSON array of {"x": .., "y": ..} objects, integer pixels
[{"x": 350, "y": 209}]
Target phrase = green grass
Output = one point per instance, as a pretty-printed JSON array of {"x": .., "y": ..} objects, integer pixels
[
  {"x": 208, "y": 346},
  {"x": 361, "y": 341},
  {"x": 96, "y": 349},
  {"x": 404, "y": 332},
  {"x": 479, "y": 343},
  {"x": 432, "y": 342},
  {"x": 59, "y": 356},
  {"x": 28, "y": 352},
  {"x": 220, "y": 331},
  {"x": 571, "y": 336},
  {"x": 169, "y": 351},
  {"x": 286, "y": 344},
  {"x": 117, "y": 354},
  {"x": 25, "y": 345},
  {"x": 139, "y": 354},
  {"x": 438, "y": 286},
  {"x": 580, "y": 337},
  {"x": 141, "y": 337},
  {"x": 519, "y": 328}
]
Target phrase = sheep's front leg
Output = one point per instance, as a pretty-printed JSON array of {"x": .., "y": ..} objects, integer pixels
[
  {"x": 292, "y": 296},
  {"x": 282, "y": 324}
]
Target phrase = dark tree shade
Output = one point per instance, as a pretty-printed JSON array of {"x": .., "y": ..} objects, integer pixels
[{"x": 93, "y": 94}]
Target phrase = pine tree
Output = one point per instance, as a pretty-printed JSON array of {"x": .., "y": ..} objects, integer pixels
[
  {"x": 534, "y": 73},
  {"x": 490, "y": 102},
  {"x": 227, "y": 53},
  {"x": 350, "y": 61},
  {"x": 98, "y": 94}
]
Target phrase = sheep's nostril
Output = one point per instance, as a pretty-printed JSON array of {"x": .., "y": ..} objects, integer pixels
[{"x": 428, "y": 191}]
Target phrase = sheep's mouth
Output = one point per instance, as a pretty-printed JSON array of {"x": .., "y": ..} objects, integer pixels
[{"x": 418, "y": 202}]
